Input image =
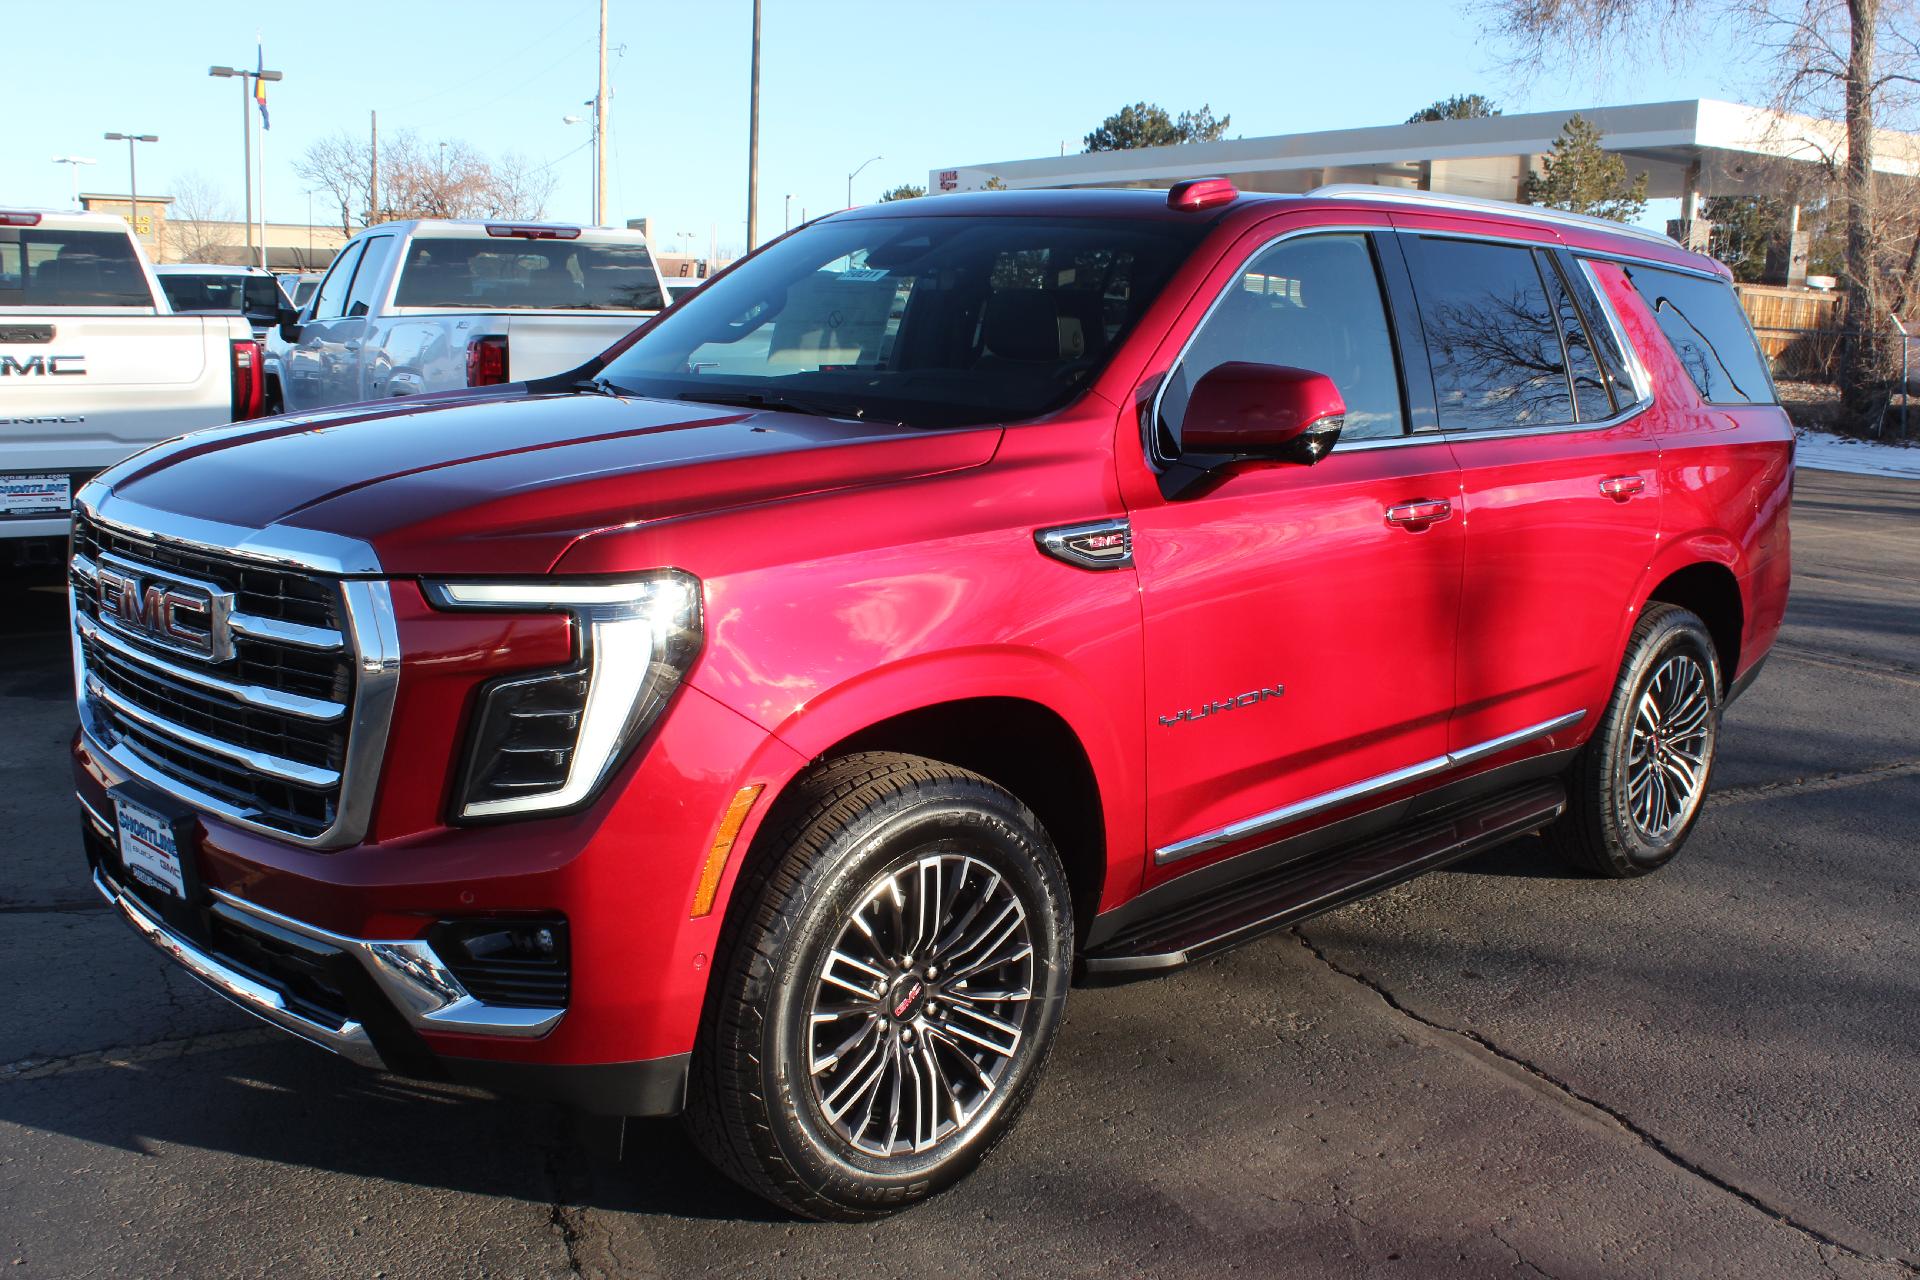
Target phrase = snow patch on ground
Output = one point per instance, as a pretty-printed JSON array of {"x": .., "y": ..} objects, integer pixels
[{"x": 1823, "y": 451}]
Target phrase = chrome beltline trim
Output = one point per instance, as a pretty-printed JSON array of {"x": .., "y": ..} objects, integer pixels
[
  {"x": 1273, "y": 819},
  {"x": 253, "y": 695},
  {"x": 286, "y": 546}
]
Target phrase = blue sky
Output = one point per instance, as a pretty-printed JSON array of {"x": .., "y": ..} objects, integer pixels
[{"x": 921, "y": 84}]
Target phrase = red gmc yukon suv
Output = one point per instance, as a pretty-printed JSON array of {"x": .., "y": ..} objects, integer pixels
[{"x": 769, "y": 720}]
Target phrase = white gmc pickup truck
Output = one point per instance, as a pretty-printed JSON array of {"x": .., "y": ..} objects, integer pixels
[
  {"x": 418, "y": 306},
  {"x": 95, "y": 366}
]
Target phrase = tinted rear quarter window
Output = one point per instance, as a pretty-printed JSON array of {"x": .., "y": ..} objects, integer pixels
[
  {"x": 1492, "y": 336},
  {"x": 1708, "y": 330},
  {"x": 49, "y": 267},
  {"x": 489, "y": 273}
]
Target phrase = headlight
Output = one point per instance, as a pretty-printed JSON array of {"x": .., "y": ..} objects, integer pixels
[{"x": 548, "y": 741}]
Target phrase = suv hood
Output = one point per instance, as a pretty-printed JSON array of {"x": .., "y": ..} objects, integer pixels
[{"x": 503, "y": 484}]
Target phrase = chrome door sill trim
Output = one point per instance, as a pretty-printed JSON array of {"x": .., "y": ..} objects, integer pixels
[{"x": 1260, "y": 824}]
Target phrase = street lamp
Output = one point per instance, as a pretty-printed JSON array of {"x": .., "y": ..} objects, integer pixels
[
  {"x": 593, "y": 176},
  {"x": 133, "y": 177},
  {"x": 76, "y": 162},
  {"x": 789, "y": 213},
  {"x": 855, "y": 174},
  {"x": 246, "y": 147}
]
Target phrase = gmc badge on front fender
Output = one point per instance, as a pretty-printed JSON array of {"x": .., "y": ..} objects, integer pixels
[{"x": 1099, "y": 544}]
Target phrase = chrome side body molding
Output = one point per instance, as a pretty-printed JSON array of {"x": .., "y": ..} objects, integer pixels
[{"x": 1274, "y": 819}]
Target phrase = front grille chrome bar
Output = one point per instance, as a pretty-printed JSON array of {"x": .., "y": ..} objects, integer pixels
[
  {"x": 294, "y": 633},
  {"x": 304, "y": 775},
  {"x": 253, "y": 695}
]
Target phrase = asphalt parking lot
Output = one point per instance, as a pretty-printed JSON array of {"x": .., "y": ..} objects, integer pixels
[{"x": 1502, "y": 1069}]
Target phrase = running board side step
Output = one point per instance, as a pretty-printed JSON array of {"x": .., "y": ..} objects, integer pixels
[{"x": 1274, "y": 899}]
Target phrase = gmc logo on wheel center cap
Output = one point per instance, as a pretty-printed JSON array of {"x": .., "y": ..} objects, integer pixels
[{"x": 183, "y": 616}]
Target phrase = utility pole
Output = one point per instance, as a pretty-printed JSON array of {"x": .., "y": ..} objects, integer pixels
[
  {"x": 753, "y": 139},
  {"x": 373, "y": 172},
  {"x": 600, "y": 129}
]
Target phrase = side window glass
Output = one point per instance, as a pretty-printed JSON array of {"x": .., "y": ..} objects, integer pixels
[
  {"x": 1613, "y": 362},
  {"x": 1709, "y": 332},
  {"x": 331, "y": 301},
  {"x": 1312, "y": 303},
  {"x": 1491, "y": 335},
  {"x": 369, "y": 276},
  {"x": 1590, "y": 397}
]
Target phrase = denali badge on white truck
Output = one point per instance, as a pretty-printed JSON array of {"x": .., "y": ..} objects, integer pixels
[
  {"x": 94, "y": 366},
  {"x": 409, "y": 307}
]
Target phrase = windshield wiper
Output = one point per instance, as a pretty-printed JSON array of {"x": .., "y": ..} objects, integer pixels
[{"x": 780, "y": 403}]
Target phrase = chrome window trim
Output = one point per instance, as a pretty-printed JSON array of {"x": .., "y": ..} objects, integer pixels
[
  {"x": 376, "y": 639},
  {"x": 1463, "y": 435},
  {"x": 1389, "y": 442},
  {"x": 1636, "y": 369},
  {"x": 283, "y": 546},
  {"x": 1147, "y": 433},
  {"x": 1273, "y": 819}
]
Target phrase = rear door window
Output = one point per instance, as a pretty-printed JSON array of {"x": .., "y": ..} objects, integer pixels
[
  {"x": 1492, "y": 336},
  {"x": 1590, "y": 398},
  {"x": 1312, "y": 302},
  {"x": 50, "y": 267},
  {"x": 1708, "y": 330},
  {"x": 331, "y": 301},
  {"x": 488, "y": 273},
  {"x": 368, "y": 277}
]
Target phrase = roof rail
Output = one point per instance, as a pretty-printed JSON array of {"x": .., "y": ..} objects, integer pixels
[{"x": 1478, "y": 204}]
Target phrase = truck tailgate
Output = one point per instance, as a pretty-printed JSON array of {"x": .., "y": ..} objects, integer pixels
[
  {"x": 544, "y": 343},
  {"x": 81, "y": 392}
]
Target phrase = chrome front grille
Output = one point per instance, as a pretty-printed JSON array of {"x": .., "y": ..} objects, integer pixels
[{"x": 279, "y": 725}]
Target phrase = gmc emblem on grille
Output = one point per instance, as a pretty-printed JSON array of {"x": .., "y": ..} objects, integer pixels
[{"x": 183, "y": 616}]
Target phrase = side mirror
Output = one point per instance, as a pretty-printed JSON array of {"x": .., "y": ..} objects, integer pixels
[
  {"x": 288, "y": 318},
  {"x": 1247, "y": 410}
]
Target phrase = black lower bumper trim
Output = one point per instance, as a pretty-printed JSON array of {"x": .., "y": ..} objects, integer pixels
[{"x": 653, "y": 1087}]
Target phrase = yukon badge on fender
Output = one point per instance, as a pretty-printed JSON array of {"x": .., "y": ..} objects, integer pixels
[{"x": 1206, "y": 709}]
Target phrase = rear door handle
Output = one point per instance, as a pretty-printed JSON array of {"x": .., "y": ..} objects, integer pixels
[
  {"x": 1419, "y": 514},
  {"x": 1620, "y": 488}
]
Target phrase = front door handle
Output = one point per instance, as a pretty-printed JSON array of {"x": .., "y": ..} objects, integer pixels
[
  {"x": 1620, "y": 488},
  {"x": 1419, "y": 514}
]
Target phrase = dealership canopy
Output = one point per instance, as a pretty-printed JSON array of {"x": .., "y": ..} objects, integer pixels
[{"x": 1688, "y": 150}]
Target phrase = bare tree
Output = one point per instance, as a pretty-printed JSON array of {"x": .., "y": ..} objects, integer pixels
[
  {"x": 1853, "y": 63},
  {"x": 198, "y": 226},
  {"x": 444, "y": 179}
]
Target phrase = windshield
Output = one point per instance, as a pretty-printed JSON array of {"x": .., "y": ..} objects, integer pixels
[
  {"x": 53, "y": 267},
  {"x": 236, "y": 294},
  {"x": 928, "y": 321},
  {"x": 485, "y": 273}
]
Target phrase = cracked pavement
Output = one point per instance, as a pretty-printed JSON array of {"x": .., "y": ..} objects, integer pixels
[{"x": 1499, "y": 1070}]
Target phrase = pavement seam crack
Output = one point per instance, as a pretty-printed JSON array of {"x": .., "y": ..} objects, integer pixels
[
  {"x": 1652, "y": 1141},
  {"x": 1814, "y": 781},
  {"x": 565, "y": 1218},
  {"x": 76, "y": 907},
  {"x": 38, "y": 1068}
]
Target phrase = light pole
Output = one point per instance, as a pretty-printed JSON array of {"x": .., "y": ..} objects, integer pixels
[
  {"x": 855, "y": 174},
  {"x": 753, "y": 137},
  {"x": 76, "y": 162},
  {"x": 133, "y": 176},
  {"x": 246, "y": 145},
  {"x": 788, "y": 219},
  {"x": 593, "y": 176}
]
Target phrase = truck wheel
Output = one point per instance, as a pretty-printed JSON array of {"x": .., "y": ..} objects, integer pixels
[
  {"x": 1637, "y": 786},
  {"x": 885, "y": 991}
]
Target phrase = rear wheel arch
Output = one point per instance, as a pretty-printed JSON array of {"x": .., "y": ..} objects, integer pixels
[{"x": 1709, "y": 590}]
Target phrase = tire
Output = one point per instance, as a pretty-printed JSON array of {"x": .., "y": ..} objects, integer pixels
[
  {"x": 272, "y": 404},
  {"x": 795, "y": 1076},
  {"x": 1638, "y": 785}
]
